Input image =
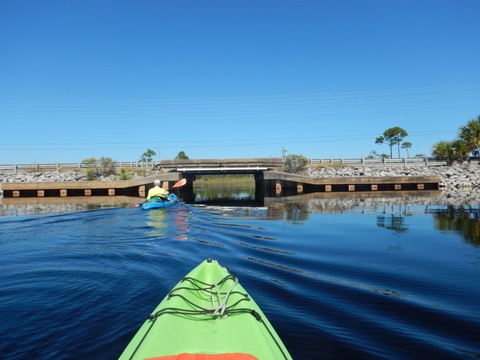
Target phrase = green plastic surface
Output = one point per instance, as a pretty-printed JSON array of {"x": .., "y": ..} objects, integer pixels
[{"x": 174, "y": 333}]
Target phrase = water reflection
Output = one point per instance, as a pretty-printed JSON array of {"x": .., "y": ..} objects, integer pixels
[
  {"x": 225, "y": 193},
  {"x": 459, "y": 219},
  {"x": 395, "y": 222},
  {"x": 392, "y": 210},
  {"x": 160, "y": 224},
  {"x": 60, "y": 205},
  {"x": 296, "y": 213},
  {"x": 181, "y": 221},
  {"x": 157, "y": 222}
]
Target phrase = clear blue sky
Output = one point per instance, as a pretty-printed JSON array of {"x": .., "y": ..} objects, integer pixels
[{"x": 233, "y": 78}]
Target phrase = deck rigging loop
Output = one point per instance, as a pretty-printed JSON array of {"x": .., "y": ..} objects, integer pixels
[{"x": 222, "y": 303}]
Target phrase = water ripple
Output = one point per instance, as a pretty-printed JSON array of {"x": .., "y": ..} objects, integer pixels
[{"x": 78, "y": 285}]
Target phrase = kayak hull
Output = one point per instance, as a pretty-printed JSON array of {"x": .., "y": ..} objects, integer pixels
[
  {"x": 191, "y": 320},
  {"x": 160, "y": 204}
]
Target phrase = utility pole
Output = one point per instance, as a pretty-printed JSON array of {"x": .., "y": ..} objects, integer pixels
[{"x": 284, "y": 154}]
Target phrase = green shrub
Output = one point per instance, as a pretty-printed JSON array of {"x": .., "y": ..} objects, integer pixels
[
  {"x": 107, "y": 166},
  {"x": 295, "y": 163},
  {"x": 123, "y": 174},
  {"x": 90, "y": 174}
]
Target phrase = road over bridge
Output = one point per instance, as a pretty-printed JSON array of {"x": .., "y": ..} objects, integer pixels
[{"x": 220, "y": 166}]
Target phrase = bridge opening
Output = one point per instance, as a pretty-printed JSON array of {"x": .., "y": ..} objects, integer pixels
[{"x": 225, "y": 189}]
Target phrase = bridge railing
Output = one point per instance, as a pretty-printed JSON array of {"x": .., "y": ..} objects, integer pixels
[
  {"x": 270, "y": 163},
  {"x": 68, "y": 166},
  {"x": 252, "y": 162},
  {"x": 362, "y": 162}
]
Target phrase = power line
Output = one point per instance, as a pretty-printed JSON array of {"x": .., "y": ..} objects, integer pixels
[{"x": 201, "y": 143}]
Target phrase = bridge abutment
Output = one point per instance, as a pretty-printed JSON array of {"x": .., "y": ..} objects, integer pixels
[{"x": 267, "y": 183}]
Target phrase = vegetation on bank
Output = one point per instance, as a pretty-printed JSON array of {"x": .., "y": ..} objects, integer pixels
[
  {"x": 105, "y": 166},
  {"x": 295, "y": 163},
  {"x": 459, "y": 150}
]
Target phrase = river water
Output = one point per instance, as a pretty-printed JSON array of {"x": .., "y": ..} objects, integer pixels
[{"x": 376, "y": 281}]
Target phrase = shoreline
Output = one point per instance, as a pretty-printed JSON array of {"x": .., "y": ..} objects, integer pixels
[
  {"x": 455, "y": 176},
  {"x": 460, "y": 185}
]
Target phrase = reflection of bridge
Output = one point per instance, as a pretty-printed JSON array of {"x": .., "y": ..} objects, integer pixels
[{"x": 267, "y": 181}]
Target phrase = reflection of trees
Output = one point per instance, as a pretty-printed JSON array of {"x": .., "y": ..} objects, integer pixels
[
  {"x": 296, "y": 212},
  {"x": 395, "y": 222},
  {"x": 464, "y": 221}
]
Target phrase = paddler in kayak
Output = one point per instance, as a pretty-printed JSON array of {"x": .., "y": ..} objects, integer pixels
[{"x": 157, "y": 192}]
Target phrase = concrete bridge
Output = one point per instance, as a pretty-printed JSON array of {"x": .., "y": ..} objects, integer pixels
[
  {"x": 168, "y": 171},
  {"x": 268, "y": 181},
  {"x": 216, "y": 166}
]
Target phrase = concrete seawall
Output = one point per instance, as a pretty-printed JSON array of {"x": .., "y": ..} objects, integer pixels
[
  {"x": 452, "y": 177},
  {"x": 460, "y": 185},
  {"x": 72, "y": 184}
]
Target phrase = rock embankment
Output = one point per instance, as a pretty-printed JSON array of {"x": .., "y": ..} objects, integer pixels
[
  {"x": 54, "y": 176},
  {"x": 461, "y": 181},
  {"x": 453, "y": 177},
  {"x": 460, "y": 185}
]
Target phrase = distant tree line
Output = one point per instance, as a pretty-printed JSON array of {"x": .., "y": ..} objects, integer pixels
[
  {"x": 457, "y": 150},
  {"x": 468, "y": 142},
  {"x": 149, "y": 154},
  {"x": 393, "y": 136},
  {"x": 105, "y": 166}
]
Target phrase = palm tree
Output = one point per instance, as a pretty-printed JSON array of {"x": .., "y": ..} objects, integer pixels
[
  {"x": 460, "y": 149},
  {"x": 450, "y": 151},
  {"x": 407, "y": 145},
  {"x": 470, "y": 134}
]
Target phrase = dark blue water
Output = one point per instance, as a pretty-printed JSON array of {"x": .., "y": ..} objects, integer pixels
[{"x": 364, "y": 284}]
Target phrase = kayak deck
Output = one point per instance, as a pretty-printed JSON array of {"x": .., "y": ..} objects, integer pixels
[{"x": 207, "y": 312}]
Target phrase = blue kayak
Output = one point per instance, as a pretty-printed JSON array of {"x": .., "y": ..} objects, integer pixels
[{"x": 159, "y": 203}]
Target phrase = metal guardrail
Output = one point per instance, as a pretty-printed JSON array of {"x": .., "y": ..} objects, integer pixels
[
  {"x": 380, "y": 162},
  {"x": 150, "y": 165},
  {"x": 68, "y": 166},
  {"x": 175, "y": 164}
]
